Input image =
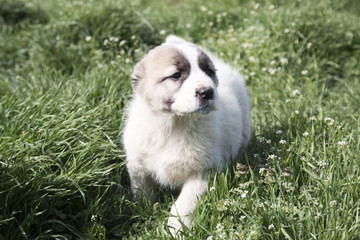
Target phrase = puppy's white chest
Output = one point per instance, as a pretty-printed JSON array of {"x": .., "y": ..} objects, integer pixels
[{"x": 172, "y": 161}]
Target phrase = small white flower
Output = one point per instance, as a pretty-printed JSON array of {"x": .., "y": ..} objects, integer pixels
[
  {"x": 212, "y": 189},
  {"x": 203, "y": 8},
  {"x": 297, "y": 112},
  {"x": 122, "y": 42},
  {"x": 329, "y": 121},
  {"x": 100, "y": 65},
  {"x": 252, "y": 74},
  {"x": 88, "y": 38},
  {"x": 304, "y": 72},
  {"x": 210, "y": 12},
  {"x": 252, "y": 59},
  {"x": 257, "y": 5},
  {"x": 268, "y": 141},
  {"x": 279, "y": 132},
  {"x": 271, "y": 7},
  {"x": 244, "y": 193},
  {"x": 341, "y": 144},
  {"x": 162, "y": 32},
  {"x": 271, "y": 157},
  {"x": 273, "y": 62},
  {"x": 282, "y": 142},
  {"x": 284, "y": 61},
  {"x": 211, "y": 23},
  {"x": 272, "y": 71},
  {"x": 287, "y": 100},
  {"x": 332, "y": 203},
  {"x": 295, "y": 93},
  {"x": 262, "y": 171},
  {"x": 271, "y": 226},
  {"x": 209, "y": 238},
  {"x": 312, "y": 118},
  {"x": 308, "y": 45},
  {"x": 286, "y": 30},
  {"x": 264, "y": 69},
  {"x": 106, "y": 42},
  {"x": 305, "y": 134},
  {"x": 188, "y": 25},
  {"x": 242, "y": 217}
]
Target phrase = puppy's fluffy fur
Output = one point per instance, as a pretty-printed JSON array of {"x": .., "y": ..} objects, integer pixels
[{"x": 190, "y": 113}]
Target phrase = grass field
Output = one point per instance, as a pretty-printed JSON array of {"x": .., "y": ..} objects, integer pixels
[{"x": 65, "y": 79}]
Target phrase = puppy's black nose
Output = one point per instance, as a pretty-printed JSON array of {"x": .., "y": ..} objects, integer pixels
[{"x": 206, "y": 93}]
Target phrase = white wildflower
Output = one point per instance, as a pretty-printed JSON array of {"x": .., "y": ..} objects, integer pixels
[
  {"x": 284, "y": 61},
  {"x": 279, "y": 132},
  {"x": 88, "y": 38},
  {"x": 272, "y": 71},
  {"x": 286, "y": 30},
  {"x": 252, "y": 59},
  {"x": 122, "y": 42},
  {"x": 308, "y": 45},
  {"x": 297, "y": 112},
  {"x": 341, "y": 144},
  {"x": 262, "y": 171},
  {"x": 203, "y": 8},
  {"x": 295, "y": 93},
  {"x": 304, "y": 72},
  {"x": 329, "y": 121},
  {"x": 282, "y": 142},
  {"x": 287, "y": 100},
  {"x": 271, "y": 226},
  {"x": 305, "y": 134},
  {"x": 162, "y": 32},
  {"x": 273, "y": 62},
  {"x": 332, "y": 203},
  {"x": 188, "y": 25},
  {"x": 312, "y": 118},
  {"x": 271, "y": 7}
]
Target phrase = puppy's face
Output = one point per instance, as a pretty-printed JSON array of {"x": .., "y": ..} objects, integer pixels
[{"x": 177, "y": 78}]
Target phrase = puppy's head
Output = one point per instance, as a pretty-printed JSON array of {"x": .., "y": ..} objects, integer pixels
[{"x": 176, "y": 77}]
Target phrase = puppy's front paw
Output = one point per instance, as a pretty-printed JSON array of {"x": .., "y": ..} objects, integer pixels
[{"x": 174, "y": 226}]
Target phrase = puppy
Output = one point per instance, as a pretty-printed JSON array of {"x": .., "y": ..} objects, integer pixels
[{"x": 189, "y": 114}]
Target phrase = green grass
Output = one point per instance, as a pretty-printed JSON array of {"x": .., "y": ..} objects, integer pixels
[{"x": 65, "y": 71}]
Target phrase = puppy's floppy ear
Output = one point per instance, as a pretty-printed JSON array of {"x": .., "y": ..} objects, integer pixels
[
  {"x": 137, "y": 75},
  {"x": 175, "y": 39}
]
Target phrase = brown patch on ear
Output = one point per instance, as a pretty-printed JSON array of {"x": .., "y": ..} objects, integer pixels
[{"x": 137, "y": 75}]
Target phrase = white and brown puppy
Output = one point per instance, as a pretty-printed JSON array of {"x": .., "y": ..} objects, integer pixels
[{"x": 190, "y": 113}]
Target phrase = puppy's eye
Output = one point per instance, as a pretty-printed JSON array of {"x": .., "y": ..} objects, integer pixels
[{"x": 175, "y": 76}]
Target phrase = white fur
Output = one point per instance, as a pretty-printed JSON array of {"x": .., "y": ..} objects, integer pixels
[{"x": 178, "y": 149}]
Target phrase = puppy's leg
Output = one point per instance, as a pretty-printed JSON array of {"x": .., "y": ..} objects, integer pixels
[
  {"x": 141, "y": 183},
  {"x": 184, "y": 206}
]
